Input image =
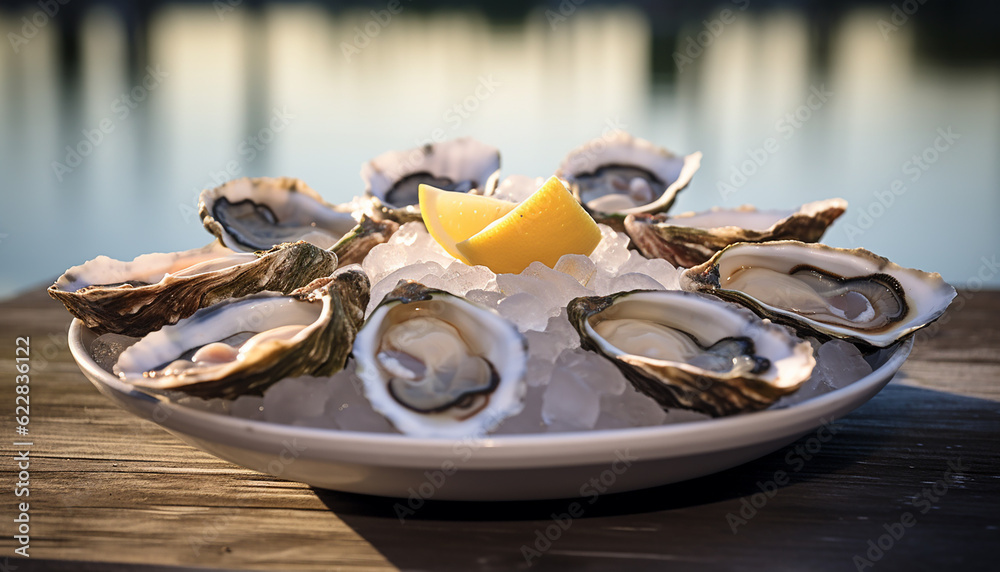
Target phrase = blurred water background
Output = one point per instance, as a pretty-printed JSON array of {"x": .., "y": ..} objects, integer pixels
[{"x": 115, "y": 115}]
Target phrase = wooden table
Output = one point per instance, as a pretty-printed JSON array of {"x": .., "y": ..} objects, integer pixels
[{"x": 109, "y": 491}]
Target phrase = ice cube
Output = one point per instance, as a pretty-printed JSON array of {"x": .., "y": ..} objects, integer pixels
[
  {"x": 516, "y": 188},
  {"x": 634, "y": 281},
  {"x": 467, "y": 277},
  {"x": 842, "y": 363},
  {"x": 382, "y": 260},
  {"x": 411, "y": 272},
  {"x": 484, "y": 298},
  {"x": 630, "y": 408},
  {"x": 539, "y": 370},
  {"x": 529, "y": 420},
  {"x": 526, "y": 311},
  {"x": 569, "y": 404},
  {"x": 600, "y": 374},
  {"x": 664, "y": 273},
  {"x": 348, "y": 407},
  {"x": 838, "y": 364},
  {"x": 294, "y": 398},
  {"x": 581, "y": 268},
  {"x": 612, "y": 251}
]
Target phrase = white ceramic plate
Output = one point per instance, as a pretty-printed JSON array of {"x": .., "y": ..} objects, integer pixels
[{"x": 508, "y": 467}]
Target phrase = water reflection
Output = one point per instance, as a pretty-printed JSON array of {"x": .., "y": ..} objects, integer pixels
[{"x": 112, "y": 163}]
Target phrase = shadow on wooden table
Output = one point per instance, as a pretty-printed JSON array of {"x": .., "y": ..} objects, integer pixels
[{"x": 835, "y": 499}]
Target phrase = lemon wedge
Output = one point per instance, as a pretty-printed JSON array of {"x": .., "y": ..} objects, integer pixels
[
  {"x": 452, "y": 217},
  {"x": 545, "y": 226}
]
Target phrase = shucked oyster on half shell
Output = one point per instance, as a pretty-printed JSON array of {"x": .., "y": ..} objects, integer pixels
[
  {"x": 137, "y": 297},
  {"x": 618, "y": 175},
  {"x": 437, "y": 365},
  {"x": 462, "y": 165},
  {"x": 243, "y": 345},
  {"x": 693, "y": 351},
  {"x": 256, "y": 214},
  {"x": 692, "y": 238},
  {"x": 853, "y": 295}
]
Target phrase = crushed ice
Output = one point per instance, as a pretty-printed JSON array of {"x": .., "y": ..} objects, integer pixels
[{"x": 569, "y": 389}]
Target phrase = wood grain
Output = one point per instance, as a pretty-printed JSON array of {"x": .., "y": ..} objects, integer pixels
[{"x": 112, "y": 492}]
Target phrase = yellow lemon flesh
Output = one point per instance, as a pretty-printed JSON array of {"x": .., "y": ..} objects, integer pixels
[
  {"x": 452, "y": 217},
  {"x": 547, "y": 225}
]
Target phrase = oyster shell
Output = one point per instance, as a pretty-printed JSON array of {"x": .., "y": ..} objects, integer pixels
[
  {"x": 692, "y": 238},
  {"x": 689, "y": 350},
  {"x": 256, "y": 214},
  {"x": 618, "y": 175},
  {"x": 437, "y": 365},
  {"x": 462, "y": 165},
  {"x": 356, "y": 244},
  {"x": 853, "y": 295},
  {"x": 137, "y": 297},
  {"x": 243, "y": 345}
]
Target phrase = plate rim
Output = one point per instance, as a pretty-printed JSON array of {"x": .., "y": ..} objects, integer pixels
[{"x": 546, "y": 450}]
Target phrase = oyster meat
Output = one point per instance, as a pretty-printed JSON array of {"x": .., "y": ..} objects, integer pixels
[
  {"x": 437, "y": 365},
  {"x": 618, "y": 174},
  {"x": 690, "y": 239},
  {"x": 134, "y": 298},
  {"x": 243, "y": 345},
  {"x": 693, "y": 351},
  {"x": 853, "y": 295},
  {"x": 256, "y": 214},
  {"x": 463, "y": 165}
]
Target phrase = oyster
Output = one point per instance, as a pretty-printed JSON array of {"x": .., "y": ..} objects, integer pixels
[
  {"x": 437, "y": 365},
  {"x": 243, "y": 345},
  {"x": 690, "y": 239},
  {"x": 137, "y": 297},
  {"x": 462, "y": 165},
  {"x": 256, "y": 214},
  {"x": 618, "y": 174},
  {"x": 689, "y": 350},
  {"x": 356, "y": 244},
  {"x": 853, "y": 295}
]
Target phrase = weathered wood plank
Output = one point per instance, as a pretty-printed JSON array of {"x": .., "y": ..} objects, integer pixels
[{"x": 110, "y": 488}]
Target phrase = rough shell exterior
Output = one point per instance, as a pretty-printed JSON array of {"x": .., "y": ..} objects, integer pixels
[
  {"x": 134, "y": 310},
  {"x": 668, "y": 237}
]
